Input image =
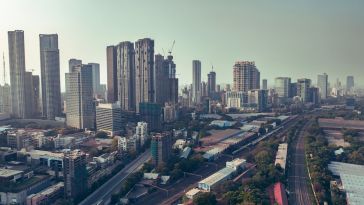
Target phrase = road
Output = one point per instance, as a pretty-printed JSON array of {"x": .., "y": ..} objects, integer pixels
[
  {"x": 297, "y": 173},
  {"x": 103, "y": 194}
]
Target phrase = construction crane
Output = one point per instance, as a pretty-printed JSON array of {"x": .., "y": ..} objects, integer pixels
[{"x": 170, "y": 50}]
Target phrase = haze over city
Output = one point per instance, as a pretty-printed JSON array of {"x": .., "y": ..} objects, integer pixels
[
  {"x": 299, "y": 39},
  {"x": 181, "y": 102}
]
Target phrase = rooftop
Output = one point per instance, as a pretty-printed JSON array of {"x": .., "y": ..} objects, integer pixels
[
  {"x": 339, "y": 123},
  {"x": 281, "y": 156},
  {"x": 9, "y": 172},
  {"x": 219, "y": 135},
  {"x": 218, "y": 176},
  {"x": 352, "y": 178}
]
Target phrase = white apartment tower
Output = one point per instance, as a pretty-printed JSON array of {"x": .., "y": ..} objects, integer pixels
[{"x": 17, "y": 72}]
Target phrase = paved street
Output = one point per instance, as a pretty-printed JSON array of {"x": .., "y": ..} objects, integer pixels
[
  {"x": 103, "y": 193},
  {"x": 298, "y": 183}
]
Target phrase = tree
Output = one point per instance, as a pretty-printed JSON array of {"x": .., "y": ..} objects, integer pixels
[
  {"x": 262, "y": 158},
  {"x": 207, "y": 198},
  {"x": 262, "y": 131}
]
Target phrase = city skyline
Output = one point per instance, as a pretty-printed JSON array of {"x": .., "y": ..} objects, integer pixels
[{"x": 326, "y": 42}]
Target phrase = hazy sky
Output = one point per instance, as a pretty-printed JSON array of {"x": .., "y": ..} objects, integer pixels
[{"x": 284, "y": 38}]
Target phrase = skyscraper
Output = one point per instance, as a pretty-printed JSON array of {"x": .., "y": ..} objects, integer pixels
[
  {"x": 5, "y": 99},
  {"x": 170, "y": 66},
  {"x": 75, "y": 174},
  {"x": 265, "y": 84},
  {"x": 17, "y": 72},
  {"x": 28, "y": 94},
  {"x": 36, "y": 95},
  {"x": 161, "y": 80},
  {"x": 303, "y": 91},
  {"x": 211, "y": 83},
  {"x": 166, "y": 83},
  {"x": 73, "y": 63},
  {"x": 125, "y": 71},
  {"x": 50, "y": 75},
  {"x": 282, "y": 87},
  {"x": 196, "y": 81},
  {"x": 144, "y": 71},
  {"x": 322, "y": 81},
  {"x": 112, "y": 80},
  {"x": 79, "y": 100},
  {"x": 349, "y": 83},
  {"x": 246, "y": 76},
  {"x": 95, "y": 78}
]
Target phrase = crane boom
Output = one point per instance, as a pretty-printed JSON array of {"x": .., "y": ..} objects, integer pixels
[{"x": 170, "y": 50}]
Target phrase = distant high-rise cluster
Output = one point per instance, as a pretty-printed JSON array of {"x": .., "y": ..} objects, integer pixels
[{"x": 135, "y": 75}]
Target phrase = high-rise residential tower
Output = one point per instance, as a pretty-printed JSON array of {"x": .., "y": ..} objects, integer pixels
[
  {"x": 79, "y": 98},
  {"x": 246, "y": 76},
  {"x": 112, "y": 80},
  {"x": 50, "y": 75},
  {"x": 166, "y": 83},
  {"x": 125, "y": 72},
  {"x": 75, "y": 174},
  {"x": 211, "y": 84},
  {"x": 36, "y": 95},
  {"x": 196, "y": 81},
  {"x": 160, "y": 148},
  {"x": 144, "y": 71},
  {"x": 322, "y": 82},
  {"x": 17, "y": 73},
  {"x": 303, "y": 90},
  {"x": 161, "y": 80},
  {"x": 5, "y": 99}
]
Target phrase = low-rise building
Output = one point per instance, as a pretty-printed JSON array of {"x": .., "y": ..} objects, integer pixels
[
  {"x": 352, "y": 179},
  {"x": 17, "y": 194},
  {"x": 222, "y": 175},
  {"x": 46, "y": 196},
  {"x": 108, "y": 118},
  {"x": 281, "y": 156}
]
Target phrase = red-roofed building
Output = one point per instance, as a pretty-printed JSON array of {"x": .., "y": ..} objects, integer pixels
[{"x": 280, "y": 196}]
